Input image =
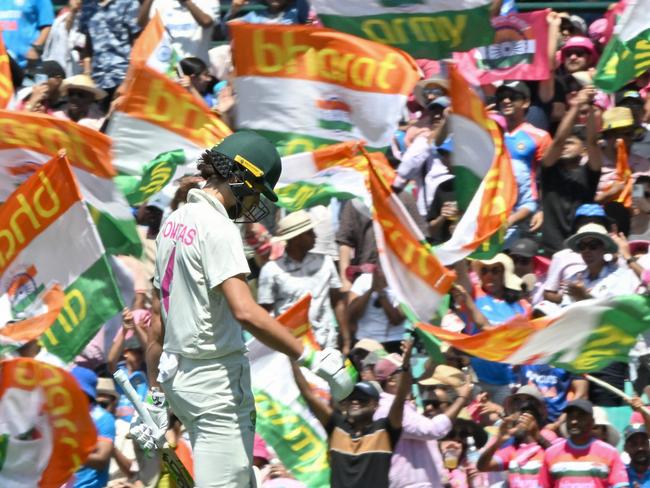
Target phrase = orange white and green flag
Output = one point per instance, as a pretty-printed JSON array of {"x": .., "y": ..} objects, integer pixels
[
  {"x": 336, "y": 171},
  {"x": 46, "y": 431},
  {"x": 584, "y": 337},
  {"x": 412, "y": 271},
  {"x": 303, "y": 87},
  {"x": 296, "y": 319},
  {"x": 50, "y": 238},
  {"x": 153, "y": 48},
  {"x": 624, "y": 174},
  {"x": 483, "y": 176},
  {"x": 157, "y": 115},
  {"x": 6, "y": 83}
]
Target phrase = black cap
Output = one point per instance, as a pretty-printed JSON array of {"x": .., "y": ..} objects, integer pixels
[
  {"x": 634, "y": 429},
  {"x": 629, "y": 95},
  {"x": 584, "y": 405},
  {"x": 51, "y": 68},
  {"x": 516, "y": 86},
  {"x": 366, "y": 388},
  {"x": 525, "y": 247}
]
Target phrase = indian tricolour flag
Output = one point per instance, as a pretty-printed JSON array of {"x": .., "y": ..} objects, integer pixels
[
  {"x": 338, "y": 171},
  {"x": 304, "y": 87},
  {"x": 412, "y": 271},
  {"x": 6, "y": 83},
  {"x": 431, "y": 29},
  {"x": 585, "y": 337},
  {"x": 157, "y": 115},
  {"x": 153, "y": 48},
  {"x": 484, "y": 174},
  {"x": 30, "y": 140},
  {"x": 627, "y": 54},
  {"x": 50, "y": 237}
]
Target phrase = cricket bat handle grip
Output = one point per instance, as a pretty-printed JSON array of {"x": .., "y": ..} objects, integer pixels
[{"x": 123, "y": 380}]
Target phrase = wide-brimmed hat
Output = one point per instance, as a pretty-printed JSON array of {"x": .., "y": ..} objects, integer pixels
[
  {"x": 85, "y": 83},
  {"x": 445, "y": 375},
  {"x": 510, "y": 279},
  {"x": 368, "y": 345},
  {"x": 617, "y": 118},
  {"x": 595, "y": 231},
  {"x": 580, "y": 42},
  {"x": 422, "y": 85},
  {"x": 525, "y": 393},
  {"x": 293, "y": 225},
  {"x": 106, "y": 386}
]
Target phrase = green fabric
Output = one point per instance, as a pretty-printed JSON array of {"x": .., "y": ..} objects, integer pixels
[
  {"x": 302, "y": 194},
  {"x": 621, "y": 62}
]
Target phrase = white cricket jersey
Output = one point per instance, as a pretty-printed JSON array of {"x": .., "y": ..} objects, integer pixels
[{"x": 199, "y": 247}]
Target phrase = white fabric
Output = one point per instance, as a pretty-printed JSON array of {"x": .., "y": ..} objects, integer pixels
[
  {"x": 374, "y": 324},
  {"x": 199, "y": 248},
  {"x": 61, "y": 43},
  {"x": 283, "y": 282},
  {"x": 188, "y": 37}
]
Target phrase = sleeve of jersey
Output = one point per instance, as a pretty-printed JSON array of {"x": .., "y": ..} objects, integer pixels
[
  {"x": 222, "y": 255},
  {"x": 106, "y": 427},
  {"x": 618, "y": 474},
  {"x": 543, "y": 143}
]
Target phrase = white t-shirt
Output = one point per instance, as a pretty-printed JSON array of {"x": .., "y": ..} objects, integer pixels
[
  {"x": 284, "y": 281},
  {"x": 199, "y": 248},
  {"x": 188, "y": 37},
  {"x": 374, "y": 323}
]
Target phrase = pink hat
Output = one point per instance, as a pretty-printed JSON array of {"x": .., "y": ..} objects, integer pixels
[
  {"x": 636, "y": 418},
  {"x": 259, "y": 448},
  {"x": 387, "y": 366},
  {"x": 597, "y": 30},
  {"x": 584, "y": 43}
]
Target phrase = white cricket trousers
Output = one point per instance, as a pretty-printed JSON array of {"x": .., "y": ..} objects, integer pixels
[{"x": 213, "y": 399}]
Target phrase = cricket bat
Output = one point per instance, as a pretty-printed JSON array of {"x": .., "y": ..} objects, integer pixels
[{"x": 169, "y": 457}]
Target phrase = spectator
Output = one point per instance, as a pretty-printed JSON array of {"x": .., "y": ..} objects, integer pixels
[
  {"x": 286, "y": 280},
  {"x": 442, "y": 212},
  {"x": 374, "y": 311},
  {"x": 637, "y": 447},
  {"x": 94, "y": 473},
  {"x": 414, "y": 460},
  {"x": 454, "y": 448},
  {"x": 189, "y": 23},
  {"x": 578, "y": 54},
  {"x": 25, "y": 27},
  {"x": 81, "y": 108},
  {"x": 196, "y": 78},
  {"x": 65, "y": 42},
  {"x": 44, "y": 96},
  {"x": 276, "y": 12},
  {"x": 110, "y": 29},
  {"x": 592, "y": 461},
  {"x": 360, "y": 447}
]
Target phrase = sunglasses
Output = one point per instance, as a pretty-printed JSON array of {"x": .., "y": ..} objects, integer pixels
[
  {"x": 581, "y": 53},
  {"x": 521, "y": 260},
  {"x": 512, "y": 96},
  {"x": 591, "y": 245},
  {"x": 491, "y": 270}
]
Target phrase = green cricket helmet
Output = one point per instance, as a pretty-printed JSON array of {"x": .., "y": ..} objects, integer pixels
[{"x": 256, "y": 156}]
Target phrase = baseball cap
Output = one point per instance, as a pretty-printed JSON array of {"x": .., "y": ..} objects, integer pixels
[
  {"x": 634, "y": 429},
  {"x": 584, "y": 405},
  {"x": 524, "y": 247},
  {"x": 516, "y": 86},
  {"x": 87, "y": 380},
  {"x": 387, "y": 366},
  {"x": 590, "y": 210},
  {"x": 447, "y": 145},
  {"x": 257, "y": 155},
  {"x": 631, "y": 95},
  {"x": 365, "y": 388}
]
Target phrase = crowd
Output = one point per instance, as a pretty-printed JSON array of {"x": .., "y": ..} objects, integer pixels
[{"x": 410, "y": 421}]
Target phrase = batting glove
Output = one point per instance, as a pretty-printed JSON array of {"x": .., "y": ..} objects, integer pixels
[{"x": 330, "y": 365}]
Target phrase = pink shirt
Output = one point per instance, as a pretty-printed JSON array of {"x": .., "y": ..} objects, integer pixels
[{"x": 594, "y": 465}]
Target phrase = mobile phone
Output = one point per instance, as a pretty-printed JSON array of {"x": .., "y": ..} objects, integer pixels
[{"x": 638, "y": 190}]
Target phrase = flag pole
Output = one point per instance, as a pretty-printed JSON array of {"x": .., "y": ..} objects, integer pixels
[{"x": 613, "y": 389}]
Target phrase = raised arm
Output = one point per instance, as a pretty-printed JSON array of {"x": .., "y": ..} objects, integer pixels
[
  {"x": 321, "y": 410},
  {"x": 155, "y": 338},
  {"x": 396, "y": 412}
]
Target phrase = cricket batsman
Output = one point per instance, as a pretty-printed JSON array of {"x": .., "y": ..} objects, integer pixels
[{"x": 196, "y": 354}]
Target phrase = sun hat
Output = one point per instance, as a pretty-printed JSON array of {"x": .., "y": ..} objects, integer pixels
[
  {"x": 617, "y": 118},
  {"x": 510, "y": 279},
  {"x": 106, "y": 386},
  {"x": 87, "y": 380},
  {"x": 595, "y": 231},
  {"x": 293, "y": 225},
  {"x": 445, "y": 375},
  {"x": 433, "y": 82},
  {"x": 85, "y": 83},
  {"x": 580, "y": 42},
  {"x": 526, "y": 392},
  {"x": 369, "y": 345}
]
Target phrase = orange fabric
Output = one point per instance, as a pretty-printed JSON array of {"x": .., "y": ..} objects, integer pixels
[
  {"x": 32, "y": 328},
  {"x": 296, "y": 319},
  {"x": 6, "y": 83},
  {"x": 624, "y": 174},
  {"x": 184, "y": 453},
  {"x": 148, "y": 40}
]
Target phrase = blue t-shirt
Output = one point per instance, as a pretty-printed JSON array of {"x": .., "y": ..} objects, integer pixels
[
  {"x": 125, "y": 408},
  {"x": 497, "y": 312},
  {"x": 105, "y": 425},
  {"x": 20, "y": 22},
  {"x": 637, "y": 481},
  {"x": 554, "y": 383}
]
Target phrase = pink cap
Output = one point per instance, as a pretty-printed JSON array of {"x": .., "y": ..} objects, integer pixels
[
  {"x": 597, "y": 30},
  {"x": 259, "y": 448},
  {"x": 387, "y": 366},
  {"x": 583, "y": 42},
  {"x": 636, "y": 418}
]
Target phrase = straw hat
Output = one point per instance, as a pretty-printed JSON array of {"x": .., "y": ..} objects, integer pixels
[
  {"x": 106, "y": 386},
  {"x": 445, "y": 375},
  {"x": 617, "y": 118},
  {"x": 526, "y": 392},
  {"x": 293, "y": 225},
  {"x": 510, "y": 279},
  {"x": 595, "y": 231},
  {"x": 433, "y": 82},
  {"x": 85, "y": 83}
]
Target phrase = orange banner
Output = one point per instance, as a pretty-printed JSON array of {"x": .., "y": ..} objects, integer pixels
[
  {"x": 73, "y": 431},
  {"x": 87, "y": 149},
  {"x": 324, "y": 55},
  {"x": 6, "y": 83},
  {"x": 148, "y": 40},
  {"x": 624, "y": 174},
  {"x": 296, "y": 319},
  {"x": 154, "y": 98},
  {"x": 35, "y": 204}
]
